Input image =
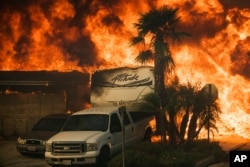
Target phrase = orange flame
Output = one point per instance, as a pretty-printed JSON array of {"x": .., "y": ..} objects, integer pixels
[{"x": 88, "y": 35}]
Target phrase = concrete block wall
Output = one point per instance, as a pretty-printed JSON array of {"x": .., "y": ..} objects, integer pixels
[{"x": 20, "y": 111}]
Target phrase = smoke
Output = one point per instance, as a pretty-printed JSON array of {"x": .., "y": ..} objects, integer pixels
[
  {"x": 227, "y": 4},
  {"x": 200, "y": 22},
  {"x": 241, "y": 58}
]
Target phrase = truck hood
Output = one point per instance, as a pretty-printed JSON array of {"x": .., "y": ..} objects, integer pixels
[{"x": 76, "y": 136}]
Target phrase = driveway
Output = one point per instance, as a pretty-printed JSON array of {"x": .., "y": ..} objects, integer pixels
[{"x": 9, "y": 157}]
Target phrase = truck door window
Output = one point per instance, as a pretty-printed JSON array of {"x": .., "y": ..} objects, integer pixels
[
  {"x": 126, "y": 118},
  {"x": 115, "y": 124}
]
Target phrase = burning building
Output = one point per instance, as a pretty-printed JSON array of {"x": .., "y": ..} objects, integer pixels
[{"x": 86, "y": 36}]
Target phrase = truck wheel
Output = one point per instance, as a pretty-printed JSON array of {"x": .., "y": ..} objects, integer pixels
[
  {"x": 148, "y": 135},
  {"x": 103, "y": 157}
]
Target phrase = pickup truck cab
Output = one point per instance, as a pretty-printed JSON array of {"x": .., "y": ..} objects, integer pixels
[{"x": 94, "y": 135}]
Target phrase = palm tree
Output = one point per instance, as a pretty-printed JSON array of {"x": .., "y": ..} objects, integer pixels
[
  {"x": 202, "y": 117},
  {"x": 186, "y": 98},
  {"x": 179, "y": 105},
  {"x": 159, "y": 25},
  {"x": 182, "y": 102},
  {"x": 172, "y": 107}
]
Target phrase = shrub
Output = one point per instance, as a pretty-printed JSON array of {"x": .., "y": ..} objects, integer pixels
[
  {"x": 147, "y": 147},
  {"x": 135, "y": 158},
  {"x": 203, "y": 149},
  {"x": 148, "y": 154},
  {"x": 177, "y": 159}
]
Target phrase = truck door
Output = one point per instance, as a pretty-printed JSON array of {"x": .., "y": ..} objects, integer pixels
[{"x": 116, "y": 134}]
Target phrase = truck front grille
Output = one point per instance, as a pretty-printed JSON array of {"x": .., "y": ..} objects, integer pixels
[{"x": 68, "y": 147}]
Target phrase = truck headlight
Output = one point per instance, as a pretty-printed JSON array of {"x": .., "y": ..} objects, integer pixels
[
  {"x": 48, "y": 147},
  {"x": 91, "y": 147},
  {"x": 21, "y": 141}
]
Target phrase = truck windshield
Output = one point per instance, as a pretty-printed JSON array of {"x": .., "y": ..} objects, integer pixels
[{"x": 88, "y": 122}]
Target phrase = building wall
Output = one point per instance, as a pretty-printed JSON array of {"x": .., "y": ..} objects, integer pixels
[{"x": 19, "y": 111}]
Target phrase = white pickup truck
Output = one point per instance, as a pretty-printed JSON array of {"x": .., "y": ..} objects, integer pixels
[{"x": 92, "y": 136}]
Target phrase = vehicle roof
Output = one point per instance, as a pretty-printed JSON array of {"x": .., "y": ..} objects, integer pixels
[{"x": 101, "y": 110}]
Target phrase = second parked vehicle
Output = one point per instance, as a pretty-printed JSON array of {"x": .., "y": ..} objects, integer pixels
[{"x": 34, "y": 141}]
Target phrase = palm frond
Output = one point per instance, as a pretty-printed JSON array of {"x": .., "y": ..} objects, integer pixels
[
  {"x": 157, "y": 18},
  {"x": 144, "y": 56},
  {"x": 169, "y": 15},
  {"x": 150, "y": 103},
  {"x": 137, "y": 40}
]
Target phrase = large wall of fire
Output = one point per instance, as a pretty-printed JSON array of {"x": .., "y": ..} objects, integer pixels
[{"x": 87, "y": 35}]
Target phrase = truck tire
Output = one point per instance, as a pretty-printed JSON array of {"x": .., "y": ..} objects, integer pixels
[
  {"x": 104, "y": 157},
  {"x": 148, "y": 135}
]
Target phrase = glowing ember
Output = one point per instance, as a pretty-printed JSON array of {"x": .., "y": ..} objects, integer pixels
[{"x": 88, "y": 35}]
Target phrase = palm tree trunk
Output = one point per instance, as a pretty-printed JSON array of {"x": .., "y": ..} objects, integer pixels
[
  {"x": 192, "y": 127},
  {"x": 172, "y": 129},
  {"x": 184, "y": 123},
  {"x": 161, "y": 94}
]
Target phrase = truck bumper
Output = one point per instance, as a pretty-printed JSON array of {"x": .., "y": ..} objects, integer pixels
[
  {"x": 30, "y": 149},
  {"x": 70, "y": 160}
]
